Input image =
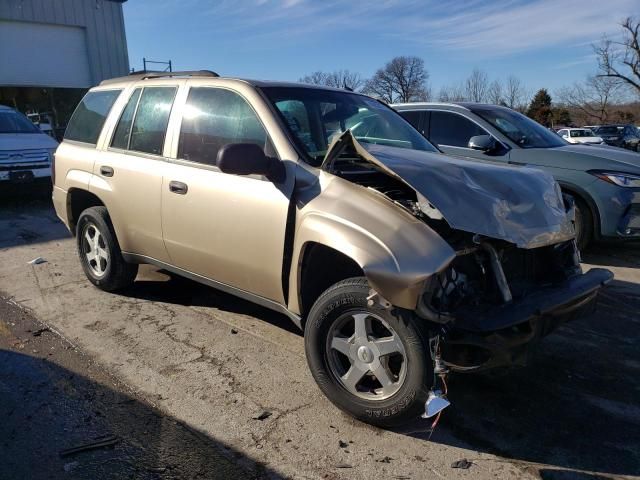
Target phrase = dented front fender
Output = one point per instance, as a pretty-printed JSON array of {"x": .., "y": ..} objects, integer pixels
[{"x": 396, "y": 251}]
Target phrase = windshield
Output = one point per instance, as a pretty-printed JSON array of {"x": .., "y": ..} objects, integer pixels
[
  {"x": 15, "y": 122},
  {"x": 520, "y": 129},
  {"x": 316, "y": 116},
  {"x": 581, "y": 133}
]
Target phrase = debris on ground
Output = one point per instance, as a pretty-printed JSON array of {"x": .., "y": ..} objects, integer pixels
[
  {"x": 234, "y": 331},
  {"x": 343, "y": 444},
  {"x": 263, "y": 416},
  {"x": 70, "y": 466},
  {"x": 344, "y": 465},
  {"x": 385, "y": 459},
  {"x": 37, "y": 261},
  {"x": 101, "y": 443},
  {"x": 40, "y": 331},
  {"x": 463, "y": 463}
]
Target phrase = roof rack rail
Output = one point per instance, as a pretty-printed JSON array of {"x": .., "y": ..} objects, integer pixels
[{"x": 146, "y": 75}]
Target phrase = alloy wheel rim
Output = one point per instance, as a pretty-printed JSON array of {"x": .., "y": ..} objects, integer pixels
[
  {"x": 366, "y": 356},
  {"x": 95, "y": 250}
]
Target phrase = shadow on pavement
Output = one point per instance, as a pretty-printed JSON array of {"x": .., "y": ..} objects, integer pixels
[
  {"x": 27, "y": 215},
  {"x": 614, "y": 255},
  {"x": 164, "y": 286},
  {"x": 574, "y": 407}
]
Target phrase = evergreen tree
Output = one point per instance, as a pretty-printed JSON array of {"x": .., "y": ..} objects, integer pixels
[{"x": 540, "y": 108}]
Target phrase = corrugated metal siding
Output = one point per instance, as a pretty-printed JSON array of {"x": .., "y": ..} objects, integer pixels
[{"x": 102, "y": 20}]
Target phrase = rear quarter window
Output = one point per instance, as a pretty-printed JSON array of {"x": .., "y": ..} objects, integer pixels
[{"x": 89, "y": 117}]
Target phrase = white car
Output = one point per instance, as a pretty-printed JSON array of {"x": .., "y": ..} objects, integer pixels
[
  {"x": 25, "y": 151},
  {"x": 580, "y": 135}
]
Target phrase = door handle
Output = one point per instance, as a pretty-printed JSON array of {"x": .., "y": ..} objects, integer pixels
[
  {"x": 106, "y": 171},
  {"x": 178, "y": 187}
]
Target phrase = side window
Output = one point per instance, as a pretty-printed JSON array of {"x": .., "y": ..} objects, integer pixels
[
  {"x": 413, "y": 117},
  {"x": 150, "y": 124},
  {"x": 89, "y": 117},
  {"x": 123, "y": 130},
  {"x": 452, "y": 129},
  {"x": 213, "y": 118},
  {"x": 562, "y": 132}
]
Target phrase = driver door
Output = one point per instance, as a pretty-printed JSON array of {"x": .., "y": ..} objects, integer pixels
[{"x": 224, "y": 227}]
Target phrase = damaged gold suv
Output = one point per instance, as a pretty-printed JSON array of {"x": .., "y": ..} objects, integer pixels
[{"x": 400, "y": 264}]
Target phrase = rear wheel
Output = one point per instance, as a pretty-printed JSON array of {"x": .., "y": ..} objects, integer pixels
[
  {"x": 369, "y": 361},
  {"x": 100, "y": 253}
]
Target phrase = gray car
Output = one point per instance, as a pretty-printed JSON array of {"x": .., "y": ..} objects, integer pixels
[{"x": 604, "y": 181}]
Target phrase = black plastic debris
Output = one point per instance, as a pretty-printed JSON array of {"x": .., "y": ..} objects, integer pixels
[
  {"x": 263, "y": 416},
  {"x": 463, "y": 463},
  {"x": 101, "y": 443},
  {"x": 343, "y": 444}
]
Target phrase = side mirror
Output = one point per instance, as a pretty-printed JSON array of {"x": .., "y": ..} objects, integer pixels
[
  {"x": 248, "y": 159},
  {"x": 484, "y": 143}
]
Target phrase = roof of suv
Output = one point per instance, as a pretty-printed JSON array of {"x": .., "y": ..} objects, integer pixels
[
  {"x": 204, "y": 74},
  {"x": 463, "y": 105}
]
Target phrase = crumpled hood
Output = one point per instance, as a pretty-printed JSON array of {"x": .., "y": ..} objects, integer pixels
[{"x": 521, "y": 205}]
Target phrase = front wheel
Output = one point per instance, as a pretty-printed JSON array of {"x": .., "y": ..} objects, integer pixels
[
  {"x": 583, "y": 224},
  {"x": 371, "y": 362}
]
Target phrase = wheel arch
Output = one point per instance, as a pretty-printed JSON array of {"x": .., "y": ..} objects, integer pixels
[
  {"x": 581, "y": 194},
  {"x": 396, "y": 262},
  {"x": 78, "y": 200}
]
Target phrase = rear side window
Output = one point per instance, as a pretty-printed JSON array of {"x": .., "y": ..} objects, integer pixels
[
  {"x": 213, "y": 118},
  {"x": 152, "y": 116},
  {"x": 89, "y": 117},
  {"x": 413, "y": 117},
  {"x": 452, "y": 129},
  {"x": 123, "y": 130}
]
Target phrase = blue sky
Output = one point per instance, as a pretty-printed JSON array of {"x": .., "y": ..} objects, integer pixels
[{"x": 547, "y": 43}]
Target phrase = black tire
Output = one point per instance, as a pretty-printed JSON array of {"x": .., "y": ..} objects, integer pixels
[
  {"x": 408, "y": 401},
  {"x": 117, "y": 274},
  {"x": 584, "y": 224}
]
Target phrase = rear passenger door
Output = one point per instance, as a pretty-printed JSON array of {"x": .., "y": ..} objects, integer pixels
[
  {"x": 129, "y": 172},
  {"x": 228, "y": 228}
]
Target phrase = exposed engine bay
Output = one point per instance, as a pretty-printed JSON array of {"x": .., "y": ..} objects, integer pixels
[{"x": 488, "y": 304}]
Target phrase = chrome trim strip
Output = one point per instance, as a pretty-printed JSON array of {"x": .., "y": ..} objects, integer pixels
[{"x": 264, "y": 302}]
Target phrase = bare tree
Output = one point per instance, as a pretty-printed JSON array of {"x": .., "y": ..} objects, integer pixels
[
  {"x": 452, "y": 93},
  {"x": 494, "y": 93},
  {"x": 403, "y": 79},
  {"x": 593, "y": 97},
  {"x": 315, "y": 78},
  {"x": 515, "y": 94},
  {"x": 338, "y": 79},
  {"x": 476, "y": 86},
  {"x": 620, "y": 60}
]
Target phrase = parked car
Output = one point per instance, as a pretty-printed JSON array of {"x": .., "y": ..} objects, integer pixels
[
  {"x": 25, "y": 151},
  {"x": 580, "y": 136},
  {"x": 399, "y": 263},
  {"x": 603, "y": 181},
  {"x": 623, "y": 136}
]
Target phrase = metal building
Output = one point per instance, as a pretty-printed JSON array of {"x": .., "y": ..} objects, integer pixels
[{"x": 51, "y": 51}]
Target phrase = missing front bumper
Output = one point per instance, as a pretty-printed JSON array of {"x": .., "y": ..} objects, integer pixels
[{"x": 504, "y": 335}]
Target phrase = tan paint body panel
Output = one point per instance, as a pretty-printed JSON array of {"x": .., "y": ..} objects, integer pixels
[{"x": 231, "y": 229}]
